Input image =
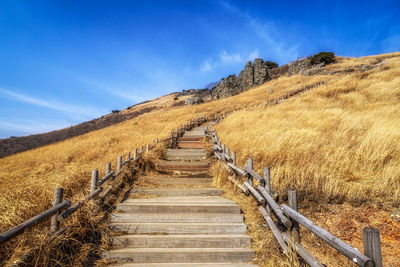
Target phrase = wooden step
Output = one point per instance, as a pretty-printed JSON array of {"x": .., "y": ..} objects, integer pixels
[
  {"x": 195, "y": 151},
  {"x": 176, "y": 218},
  {"x": 212, "y": 264},
  {"x": 186, "y": 154},
  {"x": 182, "y": 241},
  {"x": 182, "y": 199},
  {"x": 140, "y": 207},
  {"x": 191, "y": 138},
  {"x": 186, "y": 157},
  {"x": 190, "y": 144},
  {"x": 177, "y": 191},
  {"x": 182, "y": 166},
  {"x": 179, "y": 180},
  {"x": 183, "y": 255},
  {"x": 179, "y": 228}
]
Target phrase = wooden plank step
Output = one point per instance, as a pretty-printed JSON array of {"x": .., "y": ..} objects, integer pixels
[
  {"x": 192, "y": 144},
  {"x": 183, "y": 255},
  {"x": 175, "y": 218},
  {"x": 183, "y": 199},
  {"x": 175, "y": 164},
  {"x": 178, "y": 207},
  {"x": 179, "y": 180},
  {"x": 182, "y": 241},
  {"x": 182, "y": 166},
  {"x": 179, "y": 228},
  {"x": 177, "y": 191},
  {"x": 186, "y": 157},
  {"x": 212, "y": 264},
  {"x": 191, "y": 138},
  {"x": 195, "y": 151}
]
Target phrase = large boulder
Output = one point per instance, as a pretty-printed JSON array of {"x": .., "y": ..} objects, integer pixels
[{"x": 194, "y": 100}]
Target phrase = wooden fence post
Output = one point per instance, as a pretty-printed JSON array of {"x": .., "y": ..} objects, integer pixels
[
  {"x": 223, "y": 151},
  {"x": 295, "y": 229},
  {"x": 108, "y": 167},
  {"x": 372, "y": 245},
  {"x": 135, "y": 154},
  {"x": 128, "y": 156},
  {"x": 58, "y": 196},
  {"x": 119, "y": 163},
  {"x": 267, "y": 179},
  {"x": 156, "y": 141},
  {"x": 228, "y": 152},
  {"x": 93, "y": 185},
  {"x": 250, "y": 165},
  {"x": 147, "y": 148},
  {"x": 234, "y": 158}
]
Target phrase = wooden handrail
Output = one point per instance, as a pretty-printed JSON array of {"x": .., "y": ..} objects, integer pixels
[
  {"x": 33, "y": 221},
  {"x": 344, "y": 248}
]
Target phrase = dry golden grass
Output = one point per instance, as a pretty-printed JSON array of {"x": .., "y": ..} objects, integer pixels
[
  {"x": 339, "y": 143},
  {"x": 340, "y": 140}
]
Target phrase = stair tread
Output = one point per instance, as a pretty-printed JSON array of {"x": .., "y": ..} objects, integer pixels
[
  {"x": 194, "y": 236},
  {"x": 161, "y": 250},
  {"x": 176, "y": 217},
  {"x": 206, "y": 191},
  {"x": 211, "y": 264},
  {"x": 205, "y": 199}
]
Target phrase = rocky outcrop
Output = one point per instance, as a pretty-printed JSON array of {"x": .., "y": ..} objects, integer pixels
[
  {"x": 292, "y": 68},
  {"x": 253, "y": 74},
  {"x": 194, "y": 100}
]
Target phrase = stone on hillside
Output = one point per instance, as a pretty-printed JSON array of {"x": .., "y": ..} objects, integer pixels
[
  {"x": 253, "y": 74},
  {"x": 194, "y": 100}
]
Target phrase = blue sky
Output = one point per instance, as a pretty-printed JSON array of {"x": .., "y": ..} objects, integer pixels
[{"x": 65, "y": 62}]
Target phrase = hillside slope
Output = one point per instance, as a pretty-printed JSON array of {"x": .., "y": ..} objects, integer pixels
[
  {"x": 13, "y": 145},
  {"x": 338, "y": 142}
]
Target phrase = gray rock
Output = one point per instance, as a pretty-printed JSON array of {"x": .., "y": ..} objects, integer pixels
[
  {"x": 253, "y": 74},
  {"x": 194, "y": 100}
]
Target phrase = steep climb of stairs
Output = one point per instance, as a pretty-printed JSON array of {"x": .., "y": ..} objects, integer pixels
[{"x": 180, "y": 220}]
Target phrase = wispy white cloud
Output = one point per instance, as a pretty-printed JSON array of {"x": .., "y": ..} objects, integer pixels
[
  {"x": 131, "y": 96},
  {"x": 23, "y": 127},
  {"x": 227, "y": 58},
  {"x": 206, "y": 66},
  {"x": 79, "y": 112},
  {"x": 254, "y": 54},
  {"x": 267, "y": 31}
]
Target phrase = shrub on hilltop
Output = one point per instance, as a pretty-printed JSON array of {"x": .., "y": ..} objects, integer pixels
[
  {"x": 323, "y": 57},
  {"x": 271, "y": 64}
]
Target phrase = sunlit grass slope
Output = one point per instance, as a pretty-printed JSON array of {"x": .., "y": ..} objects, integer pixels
[{"x": 340, "y": 140}]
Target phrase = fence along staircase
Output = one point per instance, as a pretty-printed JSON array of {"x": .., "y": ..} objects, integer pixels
[{"x": 182, "y": 220}]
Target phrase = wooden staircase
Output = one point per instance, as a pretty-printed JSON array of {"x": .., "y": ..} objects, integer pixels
[{"x": 180, "y": 220}]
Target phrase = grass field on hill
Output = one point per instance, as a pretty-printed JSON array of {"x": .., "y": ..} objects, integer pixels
[
  {"x": 340, "y": 141},
  {"x": 339, "y": 147}
]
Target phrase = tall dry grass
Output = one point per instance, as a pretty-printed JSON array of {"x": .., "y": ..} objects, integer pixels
[{"x": 341, "y": 140}]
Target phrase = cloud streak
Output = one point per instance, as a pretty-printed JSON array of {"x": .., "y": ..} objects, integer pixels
[
  {"x": 31, "y": 127},
  {"x": 267, "y": 31},
  {"x": 79, "y": 112},
  {"x": 224, "y": 58}
]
